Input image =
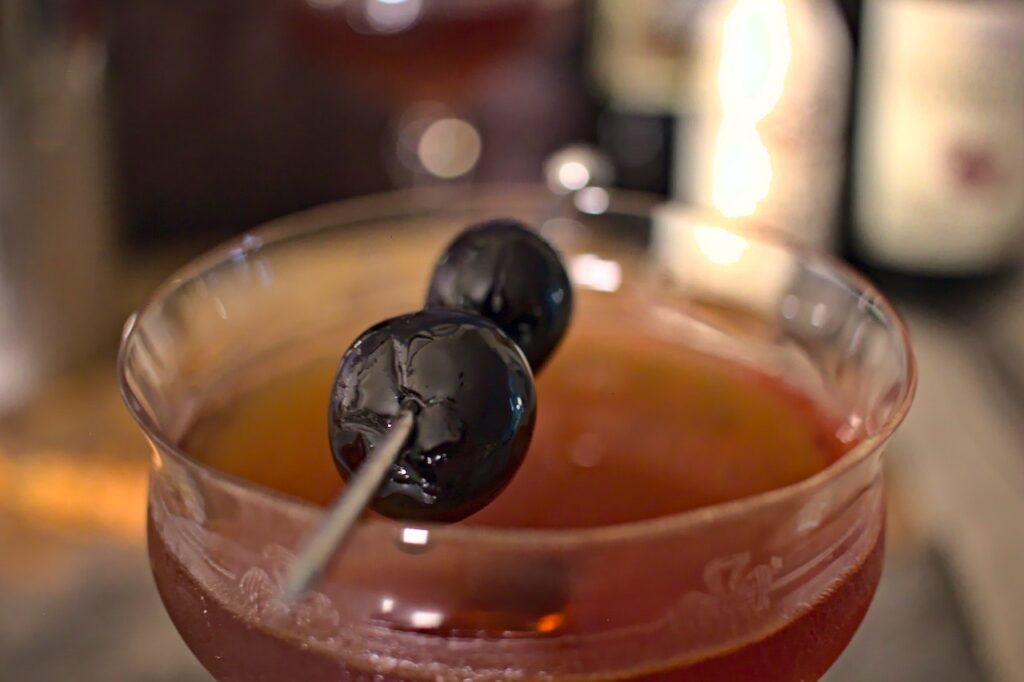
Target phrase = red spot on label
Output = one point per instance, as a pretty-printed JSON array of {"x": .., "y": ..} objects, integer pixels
[{"x": 973, "y": 168}]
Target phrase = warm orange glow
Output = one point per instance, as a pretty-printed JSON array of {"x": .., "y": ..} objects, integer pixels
[
  {"x": 550, "y": 623},
  {"x": 69, "y": 491}
]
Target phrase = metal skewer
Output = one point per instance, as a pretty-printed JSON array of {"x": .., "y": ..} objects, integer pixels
[{"x": 321, "y": 546}]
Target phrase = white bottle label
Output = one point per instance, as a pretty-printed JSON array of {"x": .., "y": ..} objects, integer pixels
[
  {"x": 765, "y": 139},
  {"x": 637, "y": 58},
  {"x": 940, "y": 167}
]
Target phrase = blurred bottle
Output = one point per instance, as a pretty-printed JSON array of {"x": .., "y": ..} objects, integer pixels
[
  {"x": 938, "y": 177},
  {"x": 765, "y": 140},
  {"x": 55, "y": 209},
  {"x": 638, "y": 62}
]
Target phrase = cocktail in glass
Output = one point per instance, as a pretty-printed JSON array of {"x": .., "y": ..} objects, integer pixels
[
  {"x": 703, "y": 499},
  {"x": 435, "y": 64}
]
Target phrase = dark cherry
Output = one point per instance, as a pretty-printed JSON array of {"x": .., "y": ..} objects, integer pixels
[
  {"x": 472, "y": 392},
  {"x": 509, "y": 274}
]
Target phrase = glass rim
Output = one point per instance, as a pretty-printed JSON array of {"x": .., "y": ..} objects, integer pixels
[{"x": 402, "y": 203}]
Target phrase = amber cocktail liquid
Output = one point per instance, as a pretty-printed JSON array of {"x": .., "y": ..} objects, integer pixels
[{"x": 629, "y": 428}]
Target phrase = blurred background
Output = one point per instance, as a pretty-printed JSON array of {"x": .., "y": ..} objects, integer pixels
[{"x": 136, "y": 133}]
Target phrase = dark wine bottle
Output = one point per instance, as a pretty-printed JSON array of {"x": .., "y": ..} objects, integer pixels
[{"x": 636, "y": 62}]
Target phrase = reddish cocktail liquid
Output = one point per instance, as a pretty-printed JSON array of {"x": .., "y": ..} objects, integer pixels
[
  {"x": 441, "y": 51},
  {"x": 619, "y": 438}
]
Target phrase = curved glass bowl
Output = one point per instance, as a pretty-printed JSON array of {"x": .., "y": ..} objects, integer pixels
[{"x": 770, "y": 586}]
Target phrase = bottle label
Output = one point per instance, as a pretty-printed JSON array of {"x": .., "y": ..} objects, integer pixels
[
  {"x": 940, "y": 155},
  {"x": 638, "y": 51},
  {"x": 765, "y": 139}
]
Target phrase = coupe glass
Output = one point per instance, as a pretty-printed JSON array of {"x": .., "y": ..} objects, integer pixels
[{"x": 768, "y": 587}]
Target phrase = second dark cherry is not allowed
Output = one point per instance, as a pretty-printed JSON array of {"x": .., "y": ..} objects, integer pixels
[{"x": 506, "y": 272}]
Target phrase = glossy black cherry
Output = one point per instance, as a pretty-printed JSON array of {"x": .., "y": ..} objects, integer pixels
[
  {"x": 509, "y": 274},
  {"x": 471, "y": 390}
]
